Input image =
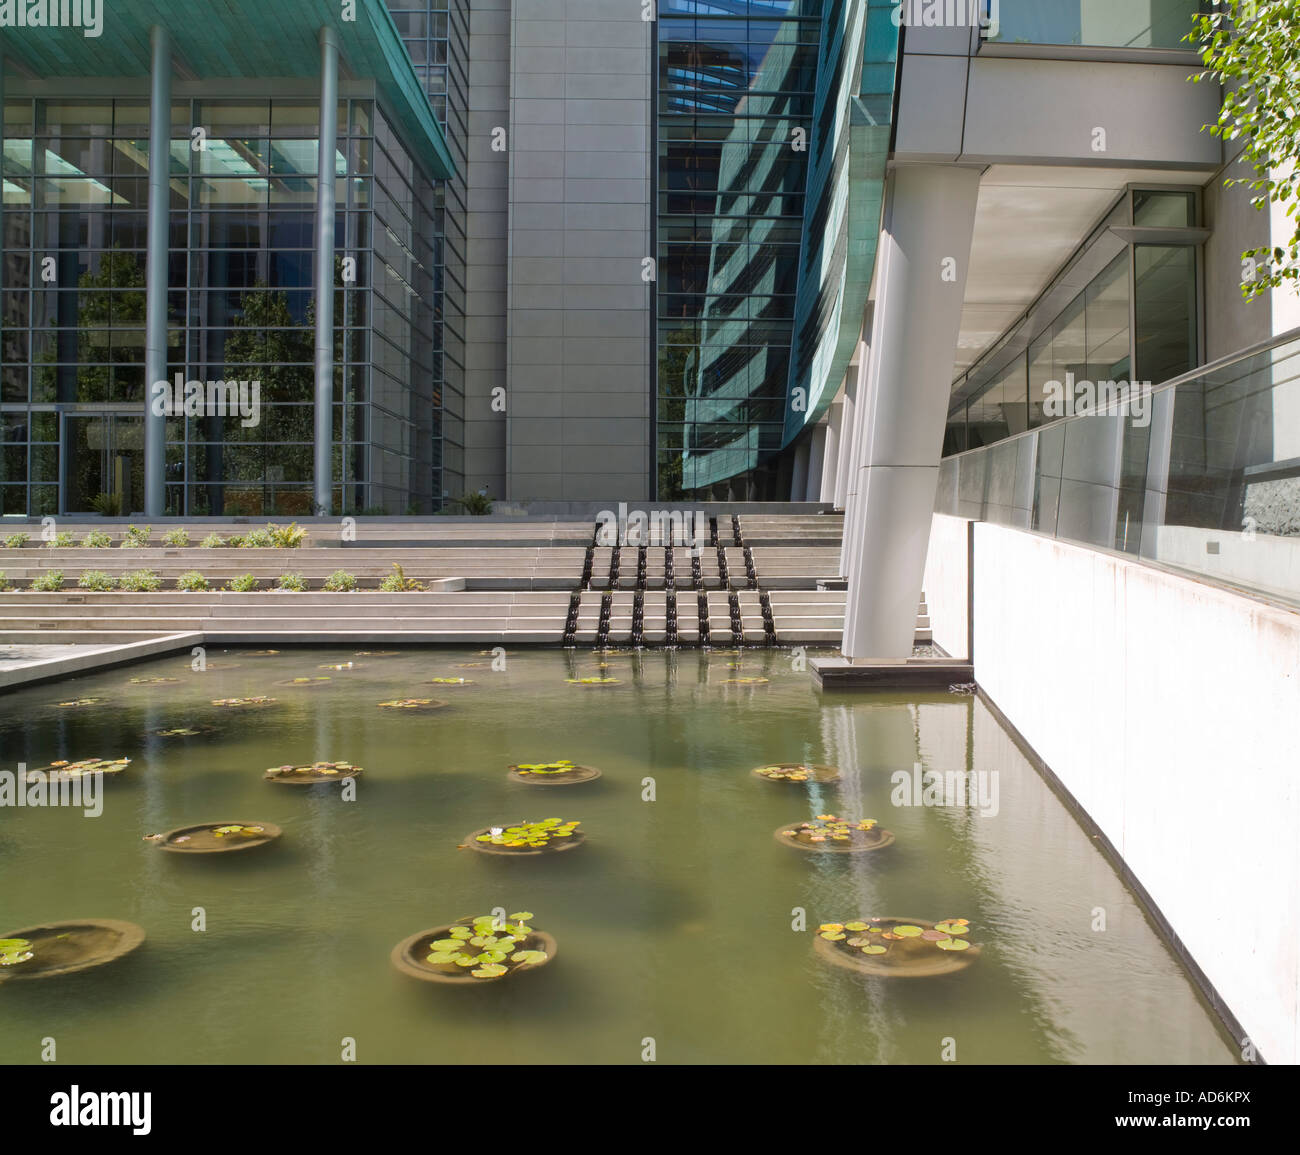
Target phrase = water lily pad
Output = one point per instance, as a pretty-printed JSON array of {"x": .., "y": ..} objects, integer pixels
[
  {"x": 953, "y": 944},
  {"x": 909, "y": 931},
  {"x": 489, "y": 971},
  {"x": 445, "y": 958},
  {"x": 531, "y": 957},
  {"x": 950, "y": 928},
  {"x": 522, "y": 916},
  {"x": 445, "y": 944}
]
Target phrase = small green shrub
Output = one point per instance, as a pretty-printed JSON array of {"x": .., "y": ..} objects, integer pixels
[
  {"x": 373, "y": 511},
  {"x": 51, "y": 581},
  {"x": 177, "y": 538},
  {"x": 137, "y": 537},
  {"x": 213, "y": 541},
  {"x": 287, "y": 536},
  {"x": 257, "y": 539},
  {"x": 62, "y": 540},
  {"x": 96, "y": 539},
  {"x": 17, "y": 540},
  {"x": 245, "y": 583},
  {"x": 398, "y": 583},
  {"x": 292, "y": 583},
  {"x": 192, "y": 582},
  {"x": 235, "y": 541},
  {"x": 107, "y": 504},
  {"x": 97, "y": 581},
  {"x": 341, "y": 582},
  {"x": 473, "y": 504},
  {"x": 5, "y": 587},
  {"x": 143, "y": 581}
]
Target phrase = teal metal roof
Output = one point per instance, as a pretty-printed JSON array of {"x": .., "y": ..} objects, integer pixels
[{"x": 244, "y": 39}]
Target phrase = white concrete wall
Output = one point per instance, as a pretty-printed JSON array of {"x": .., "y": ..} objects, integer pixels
[
  {"x": 1169, "y": 709},
  {"x": 946, "y": 583}
]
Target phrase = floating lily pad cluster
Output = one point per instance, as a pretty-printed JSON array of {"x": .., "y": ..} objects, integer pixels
[
  {"x": 315, "y": 770},
  {"x": 304, "y": 681},
  {"x": 84, "y": 767},
  {"x": 14, "y": 951},
  {"x": 238, "y": 831},
  {"x": 152, "y": 681},
  {"x": 236, "y": 702},
  {"x": 450, "y": 682},
  {"x": 530, "y": 835},
  {"x": 829, "y": 828},
  {"x": 744, "y": 681},
  {"x": 786, "y": 773},
  {"x": 78, "y": 703},
  {"x": 184, "y": 732},
  {"x": 870, "y": 939},
  {"x": 594, "y": 682},
  {"x": 340, "y": 666},
  {"x": 410, "y": 704},
  {"x": 563, "y": 766},
  {"x": 487, "y": 948}
]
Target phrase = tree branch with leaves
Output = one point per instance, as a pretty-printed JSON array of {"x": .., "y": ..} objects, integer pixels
[{"x": 1252, "y": 48}]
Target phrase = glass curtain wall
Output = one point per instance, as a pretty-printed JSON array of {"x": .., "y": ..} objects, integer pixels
[
  {"x": 241, "y": 306},
  {"x": 736, "y": 86}
]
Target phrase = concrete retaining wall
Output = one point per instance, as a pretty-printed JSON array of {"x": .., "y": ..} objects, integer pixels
[{"x": 1168, "y": 708}]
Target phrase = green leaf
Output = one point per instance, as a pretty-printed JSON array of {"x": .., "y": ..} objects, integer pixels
[
  {"x": 529, "y": 957},
  {"x": 489, "y": 971},
  {"x": 522, "y": 916},
  {"x": 444, "y": 944},
  {"x": 444, "y": 958}
]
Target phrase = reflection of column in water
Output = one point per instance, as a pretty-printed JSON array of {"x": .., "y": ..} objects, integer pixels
[
  {"x": 571, "y": 663},
  {"x": 883, "y": 730},
  {"x": 159, "y": 757}
]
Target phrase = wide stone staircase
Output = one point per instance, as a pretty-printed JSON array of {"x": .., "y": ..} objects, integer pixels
[{"x": 760, "y": 579}]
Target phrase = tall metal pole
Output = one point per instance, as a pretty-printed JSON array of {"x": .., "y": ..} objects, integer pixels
[
  {"x": 329, "y": 132},
  {"x": 155, "y": 339}
]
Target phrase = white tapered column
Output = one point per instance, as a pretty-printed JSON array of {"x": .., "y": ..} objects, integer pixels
[{"x": 921, "y": 278}]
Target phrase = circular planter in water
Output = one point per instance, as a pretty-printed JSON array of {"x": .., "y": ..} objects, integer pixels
[
  {"x": 527, "y": 839},
  {"x": 217, "y": 837},
  {"x": 314, "y": 774},
  {"x": 377, "y": 653},
  {"x": 594, "y": 683},
  {"x": 260, "y": 653},
  {"x": 490, "y": 952},
  {"x": 897, "y": 947},
  {"x": 796, "y": 772},
  {"x": 451, "y": 683},
  {"x": 61, "y": 948},
  {"x": 80, "y": 703},
  {"x": 305, "y": 683},
  {"x": 343, "y": 666},
  {"x": 152, "y": 681},
  {"x": 243, "y": 703},
  {"x": 67, "y": 771},
  {"x": 743, "y": 682},
  {"x": 827, "y": 834},
  {"x": 562, "y": 773},
  {"x": 417, "y": 705}
]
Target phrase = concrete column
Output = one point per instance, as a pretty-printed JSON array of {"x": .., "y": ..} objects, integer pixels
[
  {"x": 1159, "y": 451},
  {"x": 831, "y": 457},
  {"x": 921, "y": 277},
  {"x": 816, "y": 456},
  {"x": 799, "y": 482},
  {"x": 846, "y": 438},
  {"x": 325, "y": 177},
  {"x": 156, "y": 266},
  {"x": 858, "y": 440}
]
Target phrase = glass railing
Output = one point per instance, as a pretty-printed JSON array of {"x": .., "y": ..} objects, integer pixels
[
  {"x": 1202, "y": 473},
  {"x": 1092, "y": 23}
]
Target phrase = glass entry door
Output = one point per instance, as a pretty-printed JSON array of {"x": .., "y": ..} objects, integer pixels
[{"x": 103, "y": 454}]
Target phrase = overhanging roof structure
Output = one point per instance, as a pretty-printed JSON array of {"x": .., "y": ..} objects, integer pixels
[{"x": 243, "y": 39}]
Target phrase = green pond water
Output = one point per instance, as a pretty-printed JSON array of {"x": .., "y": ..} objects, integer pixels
[{"x": 673, "y": 922}]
